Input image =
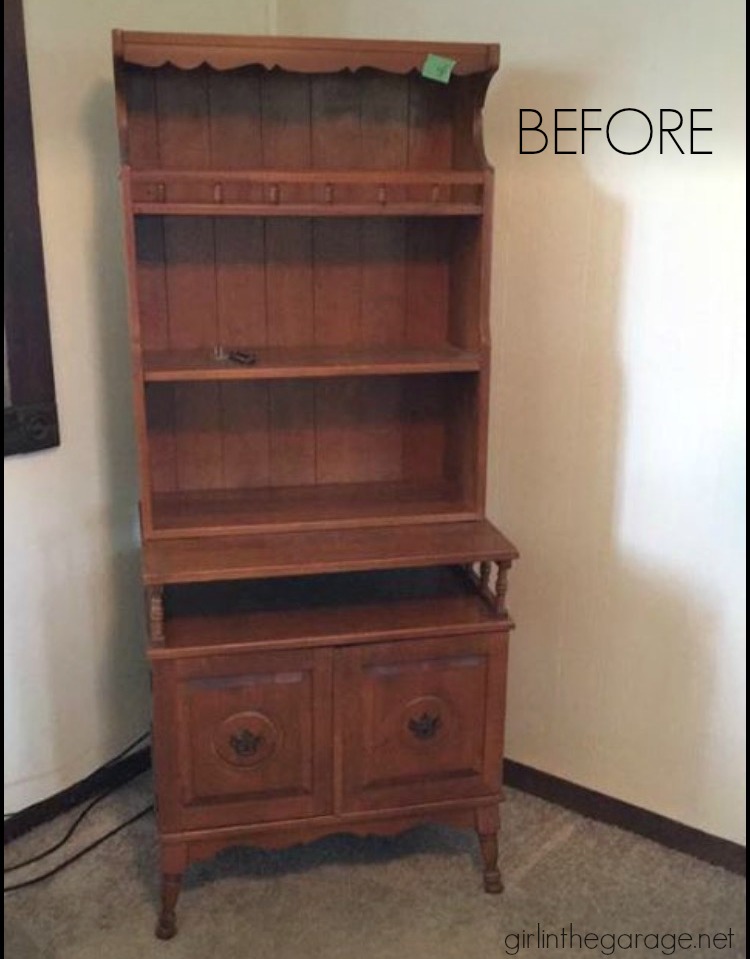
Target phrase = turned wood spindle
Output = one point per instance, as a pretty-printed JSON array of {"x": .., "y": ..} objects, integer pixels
[
  {"x": 155, "y": 601},
  {"x": 501, "y": 588}
]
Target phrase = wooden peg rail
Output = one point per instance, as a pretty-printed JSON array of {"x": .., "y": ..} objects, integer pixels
[{"x": 307, "y": 192}]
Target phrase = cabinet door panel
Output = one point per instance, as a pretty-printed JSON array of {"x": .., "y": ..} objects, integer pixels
[
  {"x": 243, "y": 738},
  {"x": 419, "y": 721}
]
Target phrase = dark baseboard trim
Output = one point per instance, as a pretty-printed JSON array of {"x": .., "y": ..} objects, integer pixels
[
  {"x": 594, "y": 805},
  {"x": 108, "y": 777}
]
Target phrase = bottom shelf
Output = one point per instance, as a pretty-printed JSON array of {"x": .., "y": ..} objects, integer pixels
[
  {"x": 318, "y": 610},
  {"x": 211, "y": 512}
]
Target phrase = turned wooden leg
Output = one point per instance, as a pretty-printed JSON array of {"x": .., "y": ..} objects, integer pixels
[
  {"x": 170, "y": 889},
  {"x": 487, "y": 822},
  {"x": 488, "y": 846}
]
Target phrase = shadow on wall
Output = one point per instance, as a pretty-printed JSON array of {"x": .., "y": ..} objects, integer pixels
[
  {"x": 609, "y": 657},
  {"x": 125, "y": 681}
]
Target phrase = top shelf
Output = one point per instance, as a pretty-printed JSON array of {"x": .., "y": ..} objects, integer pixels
[
  {"x": 306, "y": 192},
  {"x": 306, "y": 55}
]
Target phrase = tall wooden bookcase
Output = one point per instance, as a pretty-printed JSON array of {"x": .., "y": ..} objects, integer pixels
[{"x": 308, "y": 228}]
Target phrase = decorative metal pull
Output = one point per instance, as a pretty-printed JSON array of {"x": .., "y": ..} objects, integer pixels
[
  {"x": 424, "y": 726},
  {"x": 245, "y": 743}
]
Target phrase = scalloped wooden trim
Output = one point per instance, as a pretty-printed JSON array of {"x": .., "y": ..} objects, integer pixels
[{"x": 190, "y": 51}]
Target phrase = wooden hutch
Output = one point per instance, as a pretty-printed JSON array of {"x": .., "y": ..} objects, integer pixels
[{"x": 308, "y": 228}]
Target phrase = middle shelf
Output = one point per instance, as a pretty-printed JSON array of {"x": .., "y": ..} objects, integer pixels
[
  {"x": 357, "y": 505},
  {"x": 273, "y": 363}
]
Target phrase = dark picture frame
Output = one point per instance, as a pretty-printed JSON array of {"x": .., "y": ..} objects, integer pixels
[{"x": 29, "y": 386}]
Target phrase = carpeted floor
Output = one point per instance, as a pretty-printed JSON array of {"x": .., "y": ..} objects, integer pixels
[{"x": 416, "y": 896}]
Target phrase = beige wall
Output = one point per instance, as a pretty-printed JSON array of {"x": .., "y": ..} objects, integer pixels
[
  {"x": 76, "y": 687},
  {"x": 617, "y": 431}
]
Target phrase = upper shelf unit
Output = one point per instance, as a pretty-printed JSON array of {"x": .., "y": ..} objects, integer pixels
[
  {"x": 309, "y": 265},
  {"x": 227, "y": 125}
]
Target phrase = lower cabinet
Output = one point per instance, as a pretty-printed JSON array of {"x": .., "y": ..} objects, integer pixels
[
  {"x": 357, "y": 702},
  {"x": 265, "y": 737}
]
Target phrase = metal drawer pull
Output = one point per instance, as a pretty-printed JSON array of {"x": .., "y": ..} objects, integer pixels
[
  {"x": 245, "y": 743},
  {"x": 424, "y": 726}
]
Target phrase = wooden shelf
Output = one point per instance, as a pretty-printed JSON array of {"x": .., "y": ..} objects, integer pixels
[
  {"x": 294, "y": 176},
  {"x": 308, "y": 209},
  {"x": 217, "y": 558},
  {"x": 307, "y": 55},
  {"x": 212, "y": 512},
  {"x": 307, "y": 192},
  {"x": 275, "y": 363},
  {"x": 322, "y": 610}
]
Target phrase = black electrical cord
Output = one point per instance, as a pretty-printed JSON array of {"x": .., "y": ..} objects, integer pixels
[
  {"x": 61, "y": 842},
  {"x": 125, "y": 751},
  {"x": 80, "y": 853},
  {"x": 109, "y": 762},
  {"x": 81, "y": 816}
]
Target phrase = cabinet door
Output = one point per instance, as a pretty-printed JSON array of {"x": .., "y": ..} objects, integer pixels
[
  {"x": 419, "y": 721},
  {"x": 242, "y": 739}
]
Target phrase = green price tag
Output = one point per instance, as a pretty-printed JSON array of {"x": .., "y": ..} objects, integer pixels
[{"x": 438, "y": 68}]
